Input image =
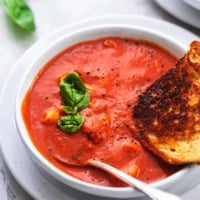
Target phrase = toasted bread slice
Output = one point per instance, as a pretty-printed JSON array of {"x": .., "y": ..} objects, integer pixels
[{"x": 167, "y": 114}]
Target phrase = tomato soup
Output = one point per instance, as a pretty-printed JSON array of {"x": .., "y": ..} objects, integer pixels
[{"x": 115, "y": 71}]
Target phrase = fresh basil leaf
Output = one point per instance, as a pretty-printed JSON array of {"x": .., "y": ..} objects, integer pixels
[
  {"x": 20, "y": 13},
  {"x": 71, "y": 123},
  {"x": 70, "y": 110},
  {"x": 74, "y": 92}
]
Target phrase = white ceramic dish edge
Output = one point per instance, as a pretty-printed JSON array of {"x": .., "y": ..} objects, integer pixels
[
  {"x": 194, "y": 3},
  {"x": 181, "y": 11}
]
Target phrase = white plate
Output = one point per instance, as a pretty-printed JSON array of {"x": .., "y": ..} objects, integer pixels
[
  {"x": 21, "y": 166},
  {"x": 194, "y": 3},
  {"x": 181, "y": 11}
]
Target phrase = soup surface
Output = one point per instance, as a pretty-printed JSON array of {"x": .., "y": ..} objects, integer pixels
[{"x": 115, "y": 71}]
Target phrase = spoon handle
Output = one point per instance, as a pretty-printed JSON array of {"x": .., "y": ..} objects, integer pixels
[{"x": 153, "y": 193}]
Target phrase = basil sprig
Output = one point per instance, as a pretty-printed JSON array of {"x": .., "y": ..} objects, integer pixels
[
  {"x": 20, "y": 13},
  {"x": 75, "y": 97}
]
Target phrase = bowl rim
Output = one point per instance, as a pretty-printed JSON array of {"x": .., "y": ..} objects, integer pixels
[{"x": 83, "y": 186}]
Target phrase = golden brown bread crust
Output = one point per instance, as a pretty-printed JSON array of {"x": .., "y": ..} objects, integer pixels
[{"x": 167, "y": 115}]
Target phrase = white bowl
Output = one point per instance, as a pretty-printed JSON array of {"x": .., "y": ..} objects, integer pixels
[{"x": 174, "y": 183}]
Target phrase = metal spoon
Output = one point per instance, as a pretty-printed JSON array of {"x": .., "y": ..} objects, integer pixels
[{"x": 149, "y": 191}]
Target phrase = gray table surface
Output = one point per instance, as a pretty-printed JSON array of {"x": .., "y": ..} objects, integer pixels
[{"x": 51, "y": 15}]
